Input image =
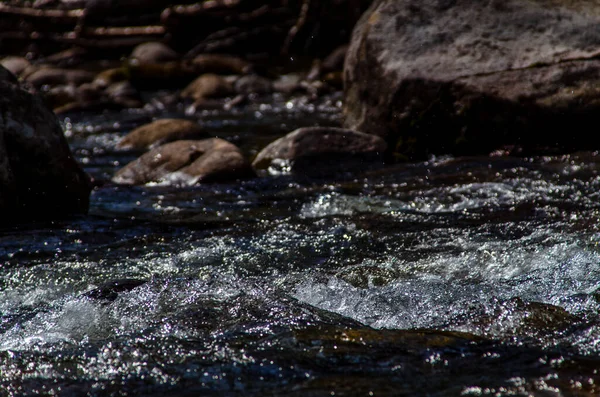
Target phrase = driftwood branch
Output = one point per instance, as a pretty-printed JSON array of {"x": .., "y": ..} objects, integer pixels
[
  {"x": 234, "y": 26},
  {"x": 34, "y": 13},
  {"x": 297, "y": 26}
]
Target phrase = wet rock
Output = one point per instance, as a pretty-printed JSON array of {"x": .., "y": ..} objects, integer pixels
[
  {"x": 110, "y": 76},
  {"x": 67, "y": 58},
  {"x": 153, "y": 52},
  {"x": 110, "y": 291},
  {"x": 221, "y": 64},
  {"x": 125, "y": 94},
  {"x": 159, "y": 132},
  {"x": 287, "y": 83},
  {"x": 55, "y": 76},
  {"x": 187, "y": 162},
  {"x": 171, "y": 75},
  {"x": 16, "y": 65},
  {"x": 311, "y": 148},
  {"x": 534, "y": 319},
  {"x": 67, "y": 94},
  {"x": 208, "y": 86},
  {"x": 253, "y": 84},
  {"x": 366, "y": 276},
  {"x": 39, "y": 179},
  {"x": 470, "y": 77}
]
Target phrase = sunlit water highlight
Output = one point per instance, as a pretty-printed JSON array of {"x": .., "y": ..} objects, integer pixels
[{"x": 473, "y": 276}]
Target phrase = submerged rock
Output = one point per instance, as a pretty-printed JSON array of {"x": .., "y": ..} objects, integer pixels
[
  {"x": 159, "y": 132},
  {"x": 311, "y": 148},
  {"x": 39, "y": 179},
  {"x": 469, "y": 77},
  {"x": 187, "y": 162},
  {"x": 109, "y": 291}
]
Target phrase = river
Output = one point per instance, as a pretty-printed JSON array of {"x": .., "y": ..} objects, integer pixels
[{"x": 453, "y": 276}]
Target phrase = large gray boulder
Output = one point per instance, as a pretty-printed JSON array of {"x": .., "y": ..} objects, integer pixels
[
  {"x": 39, "y": 179},
  {"x": 467, "y": 77}
]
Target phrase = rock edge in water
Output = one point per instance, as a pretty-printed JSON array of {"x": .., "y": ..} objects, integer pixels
[{"x": 323, "y": 150}]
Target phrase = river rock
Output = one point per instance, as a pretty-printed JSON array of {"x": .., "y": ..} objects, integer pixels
[
  {"x": 110, "y": 76},
  {"x": 253, "y": 84},
  {"x": 57, "y": 76},
  {"x": 39, "y": 179},
  {"x": 187, "y": 162},
  {"x": 16, "y": 65},
  {"x": 468, "y": 77},
  {"x": 153, "y": 52},
  {"x": 221, "y": 64},
  {"x": 159, "y": 132},
  {"x": 62, "y": 95},
  {"x": 123, "y": 93},
  {"x": 311, "y": 148},
  {"x": 208, "y": 86}
]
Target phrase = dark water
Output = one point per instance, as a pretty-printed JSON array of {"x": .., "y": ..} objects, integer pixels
[{"x": 456, "y": 276}]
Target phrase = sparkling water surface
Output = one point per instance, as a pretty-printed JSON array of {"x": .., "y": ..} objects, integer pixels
[{"x": 454, "y": 276}]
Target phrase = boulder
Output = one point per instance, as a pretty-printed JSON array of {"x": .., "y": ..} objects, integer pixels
[
  {"x": 39, "y": 179},
  {"x": 159, "y": 132},
  {"x": 307, "y": 149},
  {"x": 187, "y": 162},
  {"x": 465, "y": 77}
]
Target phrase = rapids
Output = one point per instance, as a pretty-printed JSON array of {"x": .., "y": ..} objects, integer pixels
[{"x": 454, "y": 276}]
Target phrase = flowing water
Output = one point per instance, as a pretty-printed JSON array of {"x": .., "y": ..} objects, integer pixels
[{"x": 455, "y": 276}]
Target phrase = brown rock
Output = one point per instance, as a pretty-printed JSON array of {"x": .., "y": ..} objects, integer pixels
[
  {"x": 186, "y": 162},
  {"x": 65, "y": 94},
  {"x": 55, "y": 76},
  {"x": 153, "y": 52},
  {"x": 221, "y": 64},
  {"x": 208, "y": 86},
  {"x": 159, "y": 132},
  {"x": 287, "y": 83},
  {"x": 125, "y": 94},
  {"x": 16, "y": 65},
  {"x": 39, "y": 179},
  {"x": 469, "y": 77},
  {"x": 110, "y": 76},
  {"x": 253, "y": 84},
  {"x": 312, "y": 143}
]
